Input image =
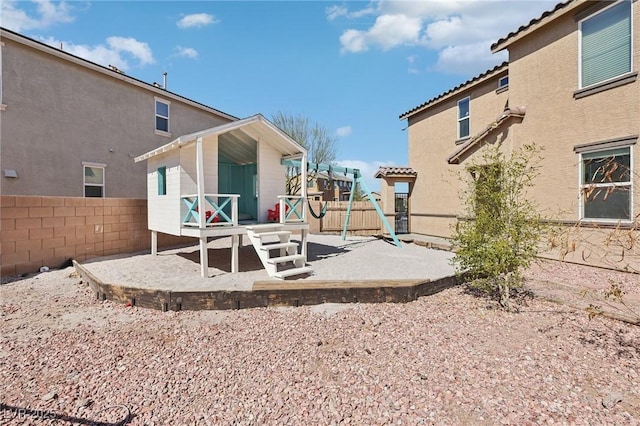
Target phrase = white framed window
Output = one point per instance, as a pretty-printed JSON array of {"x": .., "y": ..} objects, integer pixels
[
  {"x": 503, "y": 82},
  {"x": 606, "y": 185},
  {"x": 605, "y": 44},
  {"x": 162, "y": 115},
  {"x": 463, "y": 118},
  {"x": 93, "y": 179}
]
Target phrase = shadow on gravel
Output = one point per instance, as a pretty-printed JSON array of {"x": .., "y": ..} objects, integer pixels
[
  {"x": 220, "y": 258},
  {"x": 248, "y": 260},
  {"x": 519, "y": 297},
  {"x": 623, "y": 345},
  {"x": 9, "y": 412},
  {"x": 316, "y": 251}
]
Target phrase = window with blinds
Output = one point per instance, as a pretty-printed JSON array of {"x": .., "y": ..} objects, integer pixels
[{"x": 605, "y": 44}]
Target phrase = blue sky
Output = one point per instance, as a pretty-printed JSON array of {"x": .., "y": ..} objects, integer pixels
[{"x": 353, "y": 67}]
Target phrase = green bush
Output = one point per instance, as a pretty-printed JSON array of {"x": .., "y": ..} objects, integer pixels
[{"x": 502, "y": 229}]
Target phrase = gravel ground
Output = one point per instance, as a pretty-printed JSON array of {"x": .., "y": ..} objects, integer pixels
[{"x": 447, "y": 359}]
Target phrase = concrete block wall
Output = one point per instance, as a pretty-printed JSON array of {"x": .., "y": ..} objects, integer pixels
[{"x": 47, "y": 231}]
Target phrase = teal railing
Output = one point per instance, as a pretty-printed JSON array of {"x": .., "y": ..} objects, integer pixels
[
  {"x": 214, "y": 205},
  {"x": 292, "y": 208}
]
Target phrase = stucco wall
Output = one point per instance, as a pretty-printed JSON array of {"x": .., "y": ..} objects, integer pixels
[
  {"x": 59, "y": 114},
  {"x": 432, "y": 138},
  {"x": 543, "y": 73},
  {"x": 543, "y": 78}
]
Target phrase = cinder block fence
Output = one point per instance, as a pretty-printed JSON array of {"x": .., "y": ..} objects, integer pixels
[{"x": 48, "y": 231}]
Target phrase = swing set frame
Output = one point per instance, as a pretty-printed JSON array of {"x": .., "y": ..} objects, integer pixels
[{"x": 357, "y": 179}]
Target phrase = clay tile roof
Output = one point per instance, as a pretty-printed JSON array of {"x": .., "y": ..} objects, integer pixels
[
  {"x": 394, "y": 171},
  {"x": 534, "y": 21},
  {"x": 455, "y": 89},
  {"x": 518, "y": 112}
]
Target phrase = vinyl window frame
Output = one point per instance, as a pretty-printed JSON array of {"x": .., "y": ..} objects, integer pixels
[
  {"x": 467, "y": 118},
  {"x": 592, "y": 16},
  {"x": 159, "y": 115},
  {"x": 88, "y": 165},
  {"x": 582, "y": 186}
]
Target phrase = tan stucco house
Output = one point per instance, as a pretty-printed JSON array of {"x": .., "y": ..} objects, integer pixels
[
  {"x": 570, "y": 85},
  {"x": 326, "y": 186},
  {"x": 71, "y": 127}
]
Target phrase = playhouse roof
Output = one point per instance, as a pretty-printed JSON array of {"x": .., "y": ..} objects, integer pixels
[{"x": 257, "y": 127}]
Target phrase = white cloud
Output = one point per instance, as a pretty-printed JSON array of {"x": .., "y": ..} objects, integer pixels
[
  {"x": 413, "y": 69},
  {"x": 388, "y": 31},
  {"x": 462, "y": 57},
  {"x": 138, "y": 49},
  {"x": 353, "y": 41},
  {"x": 47, "y": 14},
  {"x": 187, "y": 52},
  {"x": 197, "y": 20},
  {"x": 335, "y": 11},
  {"x": 117, "y": 51},
  {"x": 343, "y": 131},
  {"x": 395, "y": 30},
  {"x": 461, "y": 32}
]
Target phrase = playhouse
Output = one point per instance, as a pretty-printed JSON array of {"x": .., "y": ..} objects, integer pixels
[{"x": 224, "y": 181}]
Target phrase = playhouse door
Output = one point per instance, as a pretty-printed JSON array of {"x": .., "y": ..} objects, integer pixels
[{"x": 237, "y": 179}]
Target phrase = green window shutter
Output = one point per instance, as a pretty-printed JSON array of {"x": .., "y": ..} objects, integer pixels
[
  {"x": 606, "y": 44},
  {"x": 162, "y": 180}
]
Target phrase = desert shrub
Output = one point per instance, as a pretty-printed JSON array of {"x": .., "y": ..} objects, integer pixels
[{"x": 500, "y": 234}]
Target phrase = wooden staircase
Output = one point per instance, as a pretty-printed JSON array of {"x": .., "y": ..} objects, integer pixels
[{"x": 278, "y": 253}]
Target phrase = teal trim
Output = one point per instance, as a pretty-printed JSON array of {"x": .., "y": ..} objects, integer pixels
[
  {"x": 357, "y": 179},
  {"x": 293, "y": 208},
  {"x": 192, "y": 210},
  {"x": 162, "y": 180},
  {"x": 348, "y": 217},
  {"x": 385, "y": 222},
  {"x": 239, "y": 179},
  {"x": 218, "y": 209}
]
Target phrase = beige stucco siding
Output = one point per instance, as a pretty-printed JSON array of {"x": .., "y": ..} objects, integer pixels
[
  {"x": 432, "y": 138},
  {"x": 59, "y": 114},
  {"x": 543, "y": 77}
]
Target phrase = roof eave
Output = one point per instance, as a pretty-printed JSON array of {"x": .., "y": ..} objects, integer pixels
[
  {"x": 515, "y": 113},
  {"x": 479, "y": 79},
  {"x": 191, "y": 138},
  {"x": 547, "y": 17},
  {"x": 61, "y": 54}
]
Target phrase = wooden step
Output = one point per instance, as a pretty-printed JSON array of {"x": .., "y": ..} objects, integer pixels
[
  {"x": 278, "y": 246},
  {"x": 294, "y": 271},
  {"x": 265, "y": 227},
  {"x": 284, "y": 259},
  {"x": 272, "y": 234}
]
